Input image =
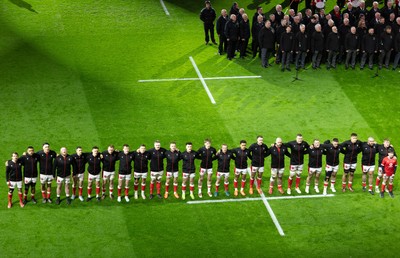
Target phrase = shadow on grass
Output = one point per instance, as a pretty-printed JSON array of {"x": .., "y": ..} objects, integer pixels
[{"x": 23, "y": 4}]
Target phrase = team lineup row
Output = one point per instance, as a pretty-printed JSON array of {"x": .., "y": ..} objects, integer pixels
[{"x": 64, "y": 168}]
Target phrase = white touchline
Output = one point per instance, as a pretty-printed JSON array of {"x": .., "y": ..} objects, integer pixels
[
  {"x": 202, "y": 80},
  {"x": 266, "y": 203},
  {"x": 205, "y": 78},
  {"x": 164, "y": 7}
]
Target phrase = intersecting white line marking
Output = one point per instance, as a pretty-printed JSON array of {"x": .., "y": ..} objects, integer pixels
[
  {"x": 202, "y": 80},
  {"x": 205, "y": 78},
  {"x": 164, "y": 7}
]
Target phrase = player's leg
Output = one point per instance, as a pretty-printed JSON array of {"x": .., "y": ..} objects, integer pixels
[
  {"x": 158, "y": 184},
  {"x": 259, "y": 172},
  {"x": 209, "y": 182},
  {"x": 309, "y": 177},
  {"x": 370, "y": 181},
  {"x": 26, "y": 190},
  {"x": 243, "y": 183},
  {"x": 351, "y": 176},
  {"x": 328, "y": 174},
  {"x": 200, "y": 182},
  {"x": 378, "y": 178},
  {"x": 127, "y": 180},
  {"x": 80, "y": 178},
  {"x": 184, "y": 180},
  {"x": 167, "y": 179},
  {"x": 66, "y": 186},
  {"x": 299, "y": 171},
  {"x": 333, "y": 178},
  {"x": 384, "y": 181},
  {"x": 346, "y": 170},
  {"x": 10, "y": 194},
  {"x": 391, "y": 178},
  {"x": 235, "y": 182},
  {"x": 74, "y": 184},
  {"x": 316, "y": 180},
  {"x": 152, "y": 182},
  {"x": 89, "y": 188},
  {"x": 217, "y": 184},
  {"x": 33, "y": 190},
  {"x": 106, "y": 176},
  {"x": 119, "y": 187},
  {"x": 58, "y": 191},
  {"x": 280, "y": 175},
  {"x": 49, "y": 179},
  {"x": 20, "y": 195},
  {"x": 292, "y": 173},
  {"x": 43, "y": 188},
  {"x": 135, "y": 184},
  {"x": 175, "y": 175},
  {"x": 226, "y": 184},
  {"x": 144, "y": 176},
  {"x": 98, "y": 188},
  {"x": 364, "y": 177},
  {"x": 274, "y": 172},
  {"x": 191, "y": 187},
  {"x": 252, "y": 177}
]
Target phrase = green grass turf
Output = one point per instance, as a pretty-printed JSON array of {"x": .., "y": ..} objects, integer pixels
[{"x": 70, "y": 76}]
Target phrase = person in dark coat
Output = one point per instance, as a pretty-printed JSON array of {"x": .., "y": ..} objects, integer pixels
[
  {"x": 351, "y": 45},
  {"x": 332, "y": 47},
  {"x": 287, "y": 45},
  {"x": 232, "y": 36},
  {"x": 244, "y": 27},
  {"x": 208, "y": 15},
  {"x": 369, "y": 47},
  {"x": 255, "y": 31},
  {"x": 267, "y": 43},
  {"x": 317, "y": 46},
  {"x": 386, "y": 47},
  {"x": 221, "y": 22},
  {"x": 301, "y": 47}
]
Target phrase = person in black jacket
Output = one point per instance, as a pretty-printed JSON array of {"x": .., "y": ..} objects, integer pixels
[
  {"x": 315, "y": 153},
  {"x": 258, "y": 151},
  {"x": 317, "y": 46},
  {"x": 386, "y": 47},
  {"x": 78, "y": 172},
  {"x": 14, "y": 178},
  {"x": 188, "y": 169},
  {"x": 157, "y": 156},
  {"x": 109, "y": 159},
  {"x": 332, "y": 47},
  {"x": 267, "y": 43},
  {"x": 94, "y": 169},
  {"x": 140, "y": 169},
  {"x": 287, "y": 46},
  {"x": 208, "y": 15},
  {"x": 301, "y": 47},
  {"x": 63, "y": 165},
  {"x": 369, "y": 151},
  {"x": 173, "y": 157},
  {"x": 30, "y": 161},
  {"x": 351, "y": 45},
  {"x": 350, "y": 148},
  {"x": 332, "y": 151},
  {"x": 244, "y": 27},
  {"x": 224, "y": 157},
  {"x": 240, "y": 155},
  {"x": 207, "y": 155},
  {"x": 255, "y": 32},
  {"x": 47, "y": 157},
  {"x": 125, "y": 171},
  {"x": 369, "y": 46},
  {"x": 278, "y": 152},
  {"x": 343, "y": 30},
  {"x": 232, "y": 36},
  {"x": 397, "y": 49},
  {"x": 221, "y": 22}
]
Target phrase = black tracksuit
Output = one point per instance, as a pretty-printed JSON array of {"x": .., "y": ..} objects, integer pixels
[
  {"x": 141, "y": 162},
  {"x": 232, "y": 37},
  {"x": 351, "y": 45},
  {"x": 332, "y": 46},
  {"x": 244, "y": 27},
  {"x": 221, "y": 22},
  {"x": 315, "y": 157},
  {"x": 109, "y": 161},
  {"x": 287, "y": 46},
  {"x": 14, "y": 171},
  {"x": 301, "y": 47},
  {"x": 278, "y": 156},
  {"x": 368, "y": 154},
  {"x": 207, "y": 156},
  {"x": 240, "y": 157},
  {"x": 369, "y": 45},
  {"x": 188, "y": 159},
  {"x": 157, "y": 159},
  {"x": 350, "y": 151},
  {"x": 173, "y": 159},
  {"x": 94, "y": 164},
  {"x": 332, "y": 154},
  {"x": 224, "y": 161},
  {"x": 63, "y": 166},
  {"x": 125, "y": 163},
  {"x": 30, "y": 164},
  {"x": 297, "y": 152},
  {"x": 46, "y": 162},
  {"x": 79, "y": 164},
  {"x": 257, "y": 154},
  {"x": 208, "y": 17}
]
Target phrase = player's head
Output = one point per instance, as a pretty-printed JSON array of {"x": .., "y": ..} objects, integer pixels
[
  {"x": 278, "y": 142},
  {"x": 299, "y": 138},
  {"x": 78, "y": 150},
  {"x": 30, "y": 150},
  {"x": 316, "y": 143},
  {"x": 142, "y": 148},
  {"x": 126, "y": 148},
  {"x": 224, "y": 148},
  {"x": 110, "y": 148},
  {"x": 260, "y": 140},
  {"x": 243, "y": 144},
  {"x": 371, "y": 141},
  {"x": 172, "y": 146},
  {"x": 353, "y": 137},
  {"x": 157, "y": 144},
  {"x": 46, "y": 147},
  {"x": 335, "y": 142},
  {"x": 95, "y": 150},
  {"x": 386, "y": 143},
  {"x": 207, "y": 143},
  {"x": 63, "y": 151},
  {"x": 390, "y": 154},
  {"x": 189, "y": 146},
  {"x": 14, "y": 156}
]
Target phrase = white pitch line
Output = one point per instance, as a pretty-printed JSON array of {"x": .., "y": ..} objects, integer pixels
[
  {"x": 202, "y": 80},
  {"x": 164, "y": 7},
  {"x": 206, "y": 78}
]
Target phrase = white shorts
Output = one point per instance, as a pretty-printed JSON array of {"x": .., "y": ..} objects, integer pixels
[
  {"x": 28, "y": 180},
  {"x": 94, "y": 178},
  {"x": 385, "y": 177},
  {"x": 275, "y": 171},
  {"x": 139, "y": 175},
  {"x": 46, "y": 179},
  {"x": 191, "y": 175},
  {"x": 124, "y": 177},
  {"x": 156, "y": 175},
  {"x": 242, "y": 171},
  {"x": 347, "y": 166},
  {"x": 223, "y": 174},
  {"x": 314, "y": 170},
  {"x": 172, "y": 174},
  {"x": 257, "y": 169},
  {"x": 204, "y": 170},
  {"x": 380, "y": 171},
  {"x": 332, "y": 168},
  {"x": 14, "y": 184},
  {"x": 295, "y": 168},
  {"x": 79, "y": 176},
  {"x": 67, "y": 180},
  {"x": 367, "y": 169},
  {"x": 108, "y": 175}
]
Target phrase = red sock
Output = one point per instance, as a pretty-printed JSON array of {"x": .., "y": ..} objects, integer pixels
[
  {"x": 183, "y": 187},
  {"x": 175, "y": 188},
  {"x": 119, "y": 191},
  {"x": 104, "y": 191},
  {"x": 44, "y": 195},
  {"x": 325, "y": 184},
  {"x": 251, "y": 182},
  {"x": 216, "y": 188},
  {"x": 80, "y": 191},
  {"x": 167, "y": 188},
  {"x": 271, "y": 185},
  {"x": 97, "y": 190},
  {"x": 243, "y": 184},
  {"x": 390, "y": 187},
  {"x": 135, "y": 187},
  {"x": 9, "y": 197},
  {"x": 383, "y": 187},
  {"x": 73, "y": 190},
  {"x": 151, "y": 188},
  {"x": 298, "y": 181},
  {"x": 89, "y": 191},
  {"x": 111, "y": 190},
  {"x": 343, "y": 184},
  {"x": 158, "y": 187},
  {"x": 191, "y": 188},
  {"x": 143, "y": 187},
  {"x": 32, "y": 196},
  {"x": 226, "y": 187},
  {"x": 48, "y": 195},
  {"x": 20, "y": 196},
  {"x": 350, "y": 185},
  {"x": 126, "y": 191},
  {"x": 258, "y": 183},
  {"x": 290, "y": 181},
  {"x": 235, "y": 184},
  {"x": 378, "y": 181},
  {"x": 370, "y": 187},
  {"x": 364, "y": 184}
]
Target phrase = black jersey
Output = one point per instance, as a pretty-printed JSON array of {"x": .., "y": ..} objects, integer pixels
[
  {"x": 46, "y": 162},
  {"x": 257, "y": 154},
  {"x": 188, "y": 159},
  {"x": 240, "y": 157},
  {"x": 141, "y": 162},
  {"x": 173, "y": 158},
  {"x": 157, "y": 159},
  {"x": 63, "y": 166},
  {"x": 13, "y": 171},
  {"x": 125, "y": 163},
  {"x": 224, "y": 161},
  {"x": 30, "y": 164}
]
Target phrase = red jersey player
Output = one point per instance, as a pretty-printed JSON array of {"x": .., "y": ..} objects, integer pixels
[{"x": 389, "y": 165}]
